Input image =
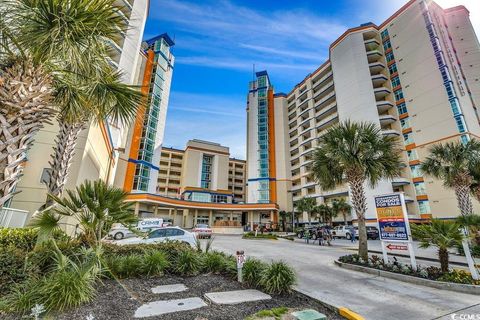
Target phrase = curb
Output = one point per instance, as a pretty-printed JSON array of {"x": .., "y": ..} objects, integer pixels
[
  {"x": 349, "y": 314},
  {"x": 457, "y": 287},
  {"x": 342, "y": 311}
]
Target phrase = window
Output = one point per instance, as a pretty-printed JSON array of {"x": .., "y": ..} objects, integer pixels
[
  {"x": 407, "y": 138},
  {"x": 389, "y": 56},
  {"x": 398, "y": 95},
  {"x": 46, "y": 173},
  {"x": 412, "y": 155},
  {"x": 387, "y": 45},
  {"x": 171, "y": 232},
  {"x": 402, "y": 108},
  {"x": 160, "y": 233},
  {"x": 416, "y": 171},
  {"x": 424, "y": 207},
  {"x": 262, "y": 81},
  {"x": 207, "y": 163},
  {"x": 420, "y": 189},
  {"x": 392, "y": 68},
  {"x": 384, "y": 33},
  {"x": 460, "y": 123},
  {"x": 395, "y": 81},
  {"x": 405, "y": 123}
]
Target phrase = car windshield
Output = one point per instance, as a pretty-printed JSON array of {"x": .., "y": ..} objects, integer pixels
[{"x": 202, "y": 226}]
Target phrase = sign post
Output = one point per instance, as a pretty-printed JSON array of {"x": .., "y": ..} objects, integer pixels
[
  {"x": 393, "y": 225},
  {"x": 240, "y": 262}
]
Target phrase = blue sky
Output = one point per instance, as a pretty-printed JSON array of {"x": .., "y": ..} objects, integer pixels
[{"x": 217, "y": 43}]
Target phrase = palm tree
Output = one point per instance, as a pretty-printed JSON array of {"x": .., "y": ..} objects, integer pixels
[
  {"x": 355, "y": 153},
  {"x": 95, "y": 206},
  {"x": 284, "y": 215},
  {"x": 441, "y": 234},
  {"x": 41, "y": 43},
  {"x": 340, "y": 206},
  {"x": 453, "y": 162},
  {"x": 472, "y": 223},
  {"x": 475, "y": 186},
  {"x": 324, "y": 211},
  {"x": 307, "y": 205}
]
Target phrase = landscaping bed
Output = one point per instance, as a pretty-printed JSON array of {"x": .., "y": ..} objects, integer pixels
[
  {"x": 251, "y": 235},
  {"x": 113, "y": 301},
  {"x": 431, "y": 273}
]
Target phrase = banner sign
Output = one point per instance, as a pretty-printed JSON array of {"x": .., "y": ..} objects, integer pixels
[{"x": 391, "y": 217}]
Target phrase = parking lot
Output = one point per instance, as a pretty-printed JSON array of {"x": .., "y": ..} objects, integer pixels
[{"x": 371, "y": 296}]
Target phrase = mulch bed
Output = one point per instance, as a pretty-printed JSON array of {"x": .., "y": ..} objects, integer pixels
[{"x": 116, "y": 302}]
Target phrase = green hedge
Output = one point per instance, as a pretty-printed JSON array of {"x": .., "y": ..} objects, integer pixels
[
  {"x": 21, "y": 238},
  {"x": 251, "y": 235}
]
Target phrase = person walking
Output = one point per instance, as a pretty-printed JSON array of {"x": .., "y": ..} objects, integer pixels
[{"x": 353, "y": 238}]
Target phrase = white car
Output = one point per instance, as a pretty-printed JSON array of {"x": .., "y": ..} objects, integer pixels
[
  {"x": 119, "y": 231},
  {"x": 344, "y": 232},
  {"x": 162, "y": 235},
  {"x": 202, "y": 231}
]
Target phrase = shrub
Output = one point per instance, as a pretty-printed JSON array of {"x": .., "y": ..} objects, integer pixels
[
  {"x": 251, "y": 235},
  {"x": 278, "y": 278},
  {"x": 154, "y": 262},
  {"x": 170, "y": 248},
  {"x": 474, "y": 249},
  {"x": 187, "y": 263},
  {"x": 125, "y": 266},
  {"x": 458, "y": 276},
  {"x": 21, "y": 238},
  {"x": 12, "y": 268},
  {"x": 252, "y": 271},
  {"x": 214, "y": 262}
]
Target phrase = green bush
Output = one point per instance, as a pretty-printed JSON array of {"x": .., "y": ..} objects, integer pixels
[
  {"x": 12, "y": 268},
  {"x": 187, "y": 263},
  {"x": 171, "y": 249},
  {"x": 458, "y": 276},
  {"x": 251, "y": 235},
  {"x": 213, "y": 262},
  {"x": 278, "y": 278},
  {"x": 154, "y": 262},
  {"x": 252, "y": 271},
  {"x": 474, "y": 249},
  {"x": 21, "y": 238},
  {"x": 125, "y": 266}
]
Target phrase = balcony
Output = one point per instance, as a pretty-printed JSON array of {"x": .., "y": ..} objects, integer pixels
[
  {"x": 373, "y": 55},
  {"x": 386, "y": 119},
  {"x": 400, "y": 181},
  {"x": 378, "y": 80},
  {"x": 408, "y": 198},
  {"x": 384, "y": 105},
  {"x": 371, "y": 44},
  {"x": 376, "y": 67},
  {"x": 381, "y": 92},
  {"x": 390, "y": 132}
]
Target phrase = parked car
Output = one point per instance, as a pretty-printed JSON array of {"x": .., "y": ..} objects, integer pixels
[
  {"x": 312, "y": 231},
  {"x": 344, "y": 232},
  {"x": 162, "y": 235},
  {"x": 372, "y": 233},
  {"x": 119, "y": 231},
  {"x": 202, "y": 231}
]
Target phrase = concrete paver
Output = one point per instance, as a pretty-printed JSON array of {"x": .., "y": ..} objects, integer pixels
[
  {"x": 169, "y": 288},
  {"x": 372, "y": 297},
  {"x": 237, "y": 296},
  {"x": 156, "y": 308}
]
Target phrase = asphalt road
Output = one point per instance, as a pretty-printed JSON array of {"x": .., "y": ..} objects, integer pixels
[{"x": 373, "y": 297}]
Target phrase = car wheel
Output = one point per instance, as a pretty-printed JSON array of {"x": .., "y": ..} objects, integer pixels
[
  {"x": 299, "y": 236},
  {"x": 118, "y": 236},
  {"x": 348, "y": 236},
  {"x": 314, "y": 237}
]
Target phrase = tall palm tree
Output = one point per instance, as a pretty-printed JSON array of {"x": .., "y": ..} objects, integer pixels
[
  {"x": 453, "y": 163},
  {"x": 475, "y": 186},
  {"x": 103, "y": 95},
  {"x": 340, "y": 206},
  {"x": 441, "y": 234},
  {"x": 42, "y": 41},
  {"x": 307, "y": 205},
  {"x": 95, "y": 206},
  {"x": 356, "y": 153},
  {"x": 325, "y": 212}
]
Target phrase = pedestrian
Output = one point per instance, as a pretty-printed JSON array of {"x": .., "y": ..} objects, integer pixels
[
  {"x": 352, "y": 234},
  {"x": 320, "y": 236}
]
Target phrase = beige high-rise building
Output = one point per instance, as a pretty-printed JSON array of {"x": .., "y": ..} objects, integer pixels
[{"x": 416, "y": 76}]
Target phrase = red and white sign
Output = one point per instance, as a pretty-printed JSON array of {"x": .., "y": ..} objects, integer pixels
[
  {"x": 396, "y": 247},
  {"x": 240, "y": 259}
]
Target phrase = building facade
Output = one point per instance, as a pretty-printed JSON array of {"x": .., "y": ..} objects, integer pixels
[
  {"x": 415, "y": 76},
  {"x": 99, "y": 146}
]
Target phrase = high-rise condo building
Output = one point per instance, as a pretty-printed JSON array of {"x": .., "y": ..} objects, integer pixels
[{"x": 416, "y": 76}]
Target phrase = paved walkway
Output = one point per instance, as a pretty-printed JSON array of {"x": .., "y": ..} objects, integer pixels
[{"x": 371, "y": 296}]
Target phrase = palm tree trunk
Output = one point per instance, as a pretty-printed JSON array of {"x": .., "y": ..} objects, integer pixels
[
  {"x": 462, "y": 192},
  {"x": 344, "y": 218},
  {"x": 359, "y": 202},
  {"x": 64, "y": 151},
  {"x": 443, "y": 257},
  {"x": 25, "y": 107}
]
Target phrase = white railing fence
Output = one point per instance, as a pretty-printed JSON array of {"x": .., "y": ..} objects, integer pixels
[{"x": 13, "y": 218}]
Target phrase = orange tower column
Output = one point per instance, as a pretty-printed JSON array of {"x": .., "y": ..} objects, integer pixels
[{"x": 271, "y": 152}]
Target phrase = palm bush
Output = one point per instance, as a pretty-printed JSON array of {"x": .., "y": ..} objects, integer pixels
[
  {"x": 187, "y": 263},
  {"x": 306, "y": 204},
  {"x": 213, "y": 262},
  {"x": 355, "y": 153},
  {"x": 154, "y": 263},
  {"x": 340, "y": 206},
  {"x": 441, "y": 234},
  {"x": 252, "y": 272},
  {"x": 454, "y": 163},
  {"x": 125, "y": 266},
  {"x": 95, "y": 206},
  {"x": 278, "y": 278}
]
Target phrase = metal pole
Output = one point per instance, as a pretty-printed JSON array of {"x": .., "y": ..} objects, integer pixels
[
  {"x": 413, "y": 261},
  {"x": 468, "y": 255},
  {"x": 384, "y": 252}
]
